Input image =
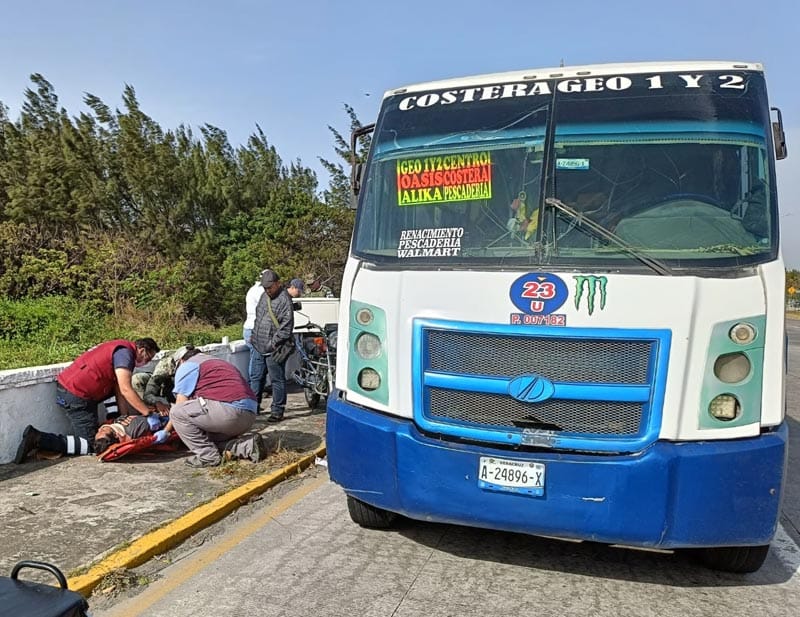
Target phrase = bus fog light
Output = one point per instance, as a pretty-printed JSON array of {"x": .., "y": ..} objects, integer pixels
[
  {"x": 742, "y": 333},
  {"x": 732, "y": 367},
  {"x": 368, "y": 346},
  {"x": 724, "y": 407},
  {"x": 364, "y": 316},
  {"x": 369, "y": 379}
]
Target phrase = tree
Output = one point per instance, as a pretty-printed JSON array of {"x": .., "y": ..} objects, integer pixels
[
  {"x": 793, "y": 282},
  {"x": 33, "y": 173},
  {"x": 338, "y": 194},
  {"x": 112, "y": 209}
]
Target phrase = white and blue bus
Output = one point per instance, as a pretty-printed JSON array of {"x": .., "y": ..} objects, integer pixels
[{"x": 563, "y": 310}]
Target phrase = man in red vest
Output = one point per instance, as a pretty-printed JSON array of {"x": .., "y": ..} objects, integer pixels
[{"x": 95, "y": 375}]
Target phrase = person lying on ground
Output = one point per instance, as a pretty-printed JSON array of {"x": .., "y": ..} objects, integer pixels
[
  {"x": 128, "y": 428},
  {"x": 94, "y": 376}
]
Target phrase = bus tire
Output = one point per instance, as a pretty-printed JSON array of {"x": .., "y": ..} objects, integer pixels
[
  {"x": 738, "y": 559},
  {"x": 369, "y": 516}
]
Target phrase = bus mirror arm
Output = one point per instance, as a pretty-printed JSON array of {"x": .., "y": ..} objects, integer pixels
[
  {"x": 778, "y": 135},
  {"x": 356, "y": 166}
]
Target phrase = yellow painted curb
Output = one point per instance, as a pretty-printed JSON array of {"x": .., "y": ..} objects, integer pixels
[{"x": 161, "y": 540}]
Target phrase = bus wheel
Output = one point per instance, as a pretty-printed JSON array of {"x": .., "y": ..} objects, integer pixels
[
  {"x": 739, "y": 559},
  {"x": 369, "y": 516}
]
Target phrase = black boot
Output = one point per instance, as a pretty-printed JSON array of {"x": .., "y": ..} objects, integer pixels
[{"x": 30, "y": 441}]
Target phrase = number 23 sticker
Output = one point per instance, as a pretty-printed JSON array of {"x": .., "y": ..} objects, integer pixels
[{"x": 538, "y": 293}]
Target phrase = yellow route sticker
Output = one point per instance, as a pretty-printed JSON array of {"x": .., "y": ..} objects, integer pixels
[{"x": 444, "y": 179}]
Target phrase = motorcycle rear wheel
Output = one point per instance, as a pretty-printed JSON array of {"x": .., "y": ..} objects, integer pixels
[{"x": 312, "y": 398}]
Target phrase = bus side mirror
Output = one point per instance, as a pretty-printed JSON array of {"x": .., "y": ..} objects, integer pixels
[
  {"x": 357, "y": 167},
  {"x": 778, "y": 135},
  {"x": 357, "y": 174}
]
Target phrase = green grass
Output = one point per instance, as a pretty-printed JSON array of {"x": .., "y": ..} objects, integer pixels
[
  {"x": 19, "y": 354},
  {"x": 53, "y": 330}
]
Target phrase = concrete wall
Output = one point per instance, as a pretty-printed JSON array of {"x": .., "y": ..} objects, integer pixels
[{"x": 27, "y": 396}]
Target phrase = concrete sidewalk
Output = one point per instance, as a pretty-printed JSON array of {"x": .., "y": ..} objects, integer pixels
[{"x": 88, "y": 517}]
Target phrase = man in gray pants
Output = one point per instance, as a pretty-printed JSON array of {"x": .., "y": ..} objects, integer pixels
[{"x": 214, "y": 406}]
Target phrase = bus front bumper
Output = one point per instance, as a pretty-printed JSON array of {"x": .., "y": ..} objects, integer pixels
[{"x": 670, "y": 495}]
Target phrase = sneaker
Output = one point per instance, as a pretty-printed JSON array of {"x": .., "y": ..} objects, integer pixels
[
  {"x": 195, "y": 461},
  {"x": 274, "y": 418},
  {"x": 30, "y": 441},
  {"x": 259, "y": 449}
]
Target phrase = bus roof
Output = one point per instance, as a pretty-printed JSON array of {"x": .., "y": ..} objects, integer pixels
[{"x": 567, "y": 72}]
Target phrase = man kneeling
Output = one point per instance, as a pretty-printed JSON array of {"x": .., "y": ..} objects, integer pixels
[{"x": 214, "y": 405}]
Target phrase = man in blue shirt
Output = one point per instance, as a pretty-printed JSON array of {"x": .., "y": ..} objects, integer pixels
[{"x": 213, "y": 408}]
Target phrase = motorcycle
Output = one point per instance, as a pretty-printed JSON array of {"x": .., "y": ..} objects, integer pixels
[{"x": 316, "y": 349}]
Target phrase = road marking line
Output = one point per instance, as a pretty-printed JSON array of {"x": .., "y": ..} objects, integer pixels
[
  {"x": 208, "y": 555},
  {"x": 172, "y": 534},
  {"x": 787, "y": 551}
]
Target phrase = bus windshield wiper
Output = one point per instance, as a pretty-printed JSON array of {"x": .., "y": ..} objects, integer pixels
[{"x": 654, "y": 264}]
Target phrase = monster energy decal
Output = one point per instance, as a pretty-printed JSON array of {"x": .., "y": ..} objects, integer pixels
[{"x": 592, "y": 285}]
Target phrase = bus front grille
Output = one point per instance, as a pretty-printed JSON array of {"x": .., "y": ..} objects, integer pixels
[
  {"x": 606, "y": 386},
  {"x": 590, "y": 417},
  {"x": 557, "y": 358}
]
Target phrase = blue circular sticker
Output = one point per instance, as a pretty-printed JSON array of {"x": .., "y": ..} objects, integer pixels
[{"x": 538, "y": 293}]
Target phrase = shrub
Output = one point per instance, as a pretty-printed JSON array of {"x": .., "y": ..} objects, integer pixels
[{"x": 57, "y": 329}]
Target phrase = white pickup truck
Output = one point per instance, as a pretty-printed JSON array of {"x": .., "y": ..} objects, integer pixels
[{"x": 321, "y": 311}]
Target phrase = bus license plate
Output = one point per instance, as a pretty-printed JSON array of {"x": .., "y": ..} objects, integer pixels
[{"x": 497, "y": 474}]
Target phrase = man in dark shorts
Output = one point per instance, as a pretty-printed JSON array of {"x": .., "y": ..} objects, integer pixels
[{"x": 95, "y": 375}]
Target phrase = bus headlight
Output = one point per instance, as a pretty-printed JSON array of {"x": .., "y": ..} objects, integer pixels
[
  {"x": 368, "y": 346},
  {"x": 732, "y": 367},
  {"x": 742, "y": 333},
  {"x": 364, "y": 316},
  {"x": 724, "y": 407},
  {"x": 369, "y": 379}
]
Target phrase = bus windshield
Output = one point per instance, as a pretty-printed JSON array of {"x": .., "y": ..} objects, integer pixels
[{"x": 675, "y": 167}]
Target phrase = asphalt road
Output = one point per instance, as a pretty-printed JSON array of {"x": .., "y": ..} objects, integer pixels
[{"x": 297, "y": 553}]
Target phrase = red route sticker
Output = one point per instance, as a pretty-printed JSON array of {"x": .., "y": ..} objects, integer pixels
[{"x": 444, "y": 179}]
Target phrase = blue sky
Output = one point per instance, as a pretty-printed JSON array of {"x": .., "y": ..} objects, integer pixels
[{"x": 290, "y": 66}]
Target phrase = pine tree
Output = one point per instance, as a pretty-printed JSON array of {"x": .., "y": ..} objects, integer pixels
[{"x": 339, "y": 192}]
